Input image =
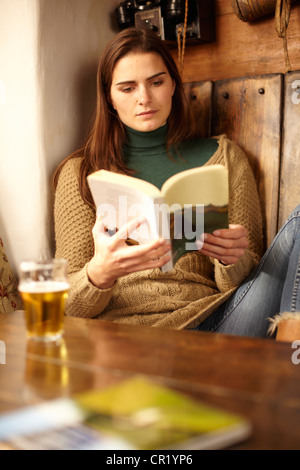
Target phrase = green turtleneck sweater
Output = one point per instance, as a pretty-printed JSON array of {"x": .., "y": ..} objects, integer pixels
[{"x": 145, "y": 152}]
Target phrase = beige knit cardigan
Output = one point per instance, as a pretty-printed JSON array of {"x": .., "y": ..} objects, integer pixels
[{"x": 181, "y": 298}]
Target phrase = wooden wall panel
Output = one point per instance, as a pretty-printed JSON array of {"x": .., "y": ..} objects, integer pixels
[
  {"x": 289, "y": 196},
  {"x": 248, "y": 110},
  {"x": 199, "y": 96},
  {"x": 241, "y": 48}
]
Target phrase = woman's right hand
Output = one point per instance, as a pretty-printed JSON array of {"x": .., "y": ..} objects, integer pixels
[{"x": 113, "y": 258}]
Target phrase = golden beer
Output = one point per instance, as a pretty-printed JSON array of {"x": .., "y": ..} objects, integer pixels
[
  {"x": 44, "y": 289},
  {"x": 44, "y": 305}
]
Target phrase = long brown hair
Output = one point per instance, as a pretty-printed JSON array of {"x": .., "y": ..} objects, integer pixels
[{"x": 104, "y": 145}]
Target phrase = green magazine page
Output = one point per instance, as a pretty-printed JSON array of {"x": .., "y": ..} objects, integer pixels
[{"x": 150, "y": 416}]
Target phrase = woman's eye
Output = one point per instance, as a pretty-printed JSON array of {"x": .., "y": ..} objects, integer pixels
[
  {"x": 127, "y": 90},
  {"x": 157, "y": 82}
]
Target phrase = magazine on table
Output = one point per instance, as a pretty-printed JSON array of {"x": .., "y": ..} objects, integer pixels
[{"x": 135, "y": 414}]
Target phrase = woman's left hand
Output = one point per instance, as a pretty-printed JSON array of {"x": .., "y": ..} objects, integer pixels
[{"x": 225, "y": 245}]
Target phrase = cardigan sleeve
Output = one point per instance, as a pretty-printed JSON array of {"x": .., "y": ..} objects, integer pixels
[
  {"x": 244, "y": 209},
  {"x": 74, "y": 221}
]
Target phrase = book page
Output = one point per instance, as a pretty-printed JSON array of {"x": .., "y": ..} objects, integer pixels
[
  {"x": 203, "y": 185},
  {"x": 123, "y": 181},
  {"x": 198, "y": 199},
  {"x": 117, "y": 205}
]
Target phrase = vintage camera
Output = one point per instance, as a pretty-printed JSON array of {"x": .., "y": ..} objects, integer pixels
[{"x": 165, "y": 17}]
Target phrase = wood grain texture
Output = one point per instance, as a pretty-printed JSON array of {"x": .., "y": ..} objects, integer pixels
[
  {"x": 254, "y": 377},
  {"x": 242, "y": 48},
  {"x": 289, "y": 196},
  {"x": 248, "y": 111},
  {"x": 199, "y": 96}
]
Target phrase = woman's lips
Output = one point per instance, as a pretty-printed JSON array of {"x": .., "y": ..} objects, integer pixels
[{"x": 147, "y": 113}]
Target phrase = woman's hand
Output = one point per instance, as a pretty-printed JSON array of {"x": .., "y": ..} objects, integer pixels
[
  {"x": 225, "y": 245},
  {"x": 114, "y": 258}
]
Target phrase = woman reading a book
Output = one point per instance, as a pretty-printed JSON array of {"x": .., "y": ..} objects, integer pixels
[{"x": 142, "y": 128}]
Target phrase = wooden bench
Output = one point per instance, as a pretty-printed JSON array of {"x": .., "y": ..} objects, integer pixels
[{"x": 261, "y": 114}]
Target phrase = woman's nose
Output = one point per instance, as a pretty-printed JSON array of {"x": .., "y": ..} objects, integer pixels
[{"x": 143, "y": 96}]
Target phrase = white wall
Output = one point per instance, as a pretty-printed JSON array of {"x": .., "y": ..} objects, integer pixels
[
  {"x": 48, "y": 61},
  {"x": 22, "y": 197}
]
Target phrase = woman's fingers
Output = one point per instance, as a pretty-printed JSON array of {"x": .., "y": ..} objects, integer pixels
[
  {"x": 134, "y": 255},
  {"x": 126, "y": 230},
  {"x": 140, "y": 254},
  {"x": 99, "y": 227},
  {"x": 226, "y": 245}
]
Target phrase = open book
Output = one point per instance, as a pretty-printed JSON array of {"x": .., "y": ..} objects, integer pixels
[
  {"x": 135, "y": 414},
  {"x": 189, "y": 203}
]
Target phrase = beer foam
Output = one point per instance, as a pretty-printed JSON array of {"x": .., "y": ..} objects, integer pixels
[{"x": 33, "y": 287}]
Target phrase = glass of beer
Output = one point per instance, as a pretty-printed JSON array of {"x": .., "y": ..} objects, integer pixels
[{"x": 44, "y": 289}]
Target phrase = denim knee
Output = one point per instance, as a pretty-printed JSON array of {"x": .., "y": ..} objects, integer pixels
[{"x": 295, "y": 211}]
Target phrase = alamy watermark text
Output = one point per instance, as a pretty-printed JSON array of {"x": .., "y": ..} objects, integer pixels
[
  {"x": 187, "y": 222},
  {"x": 296, "y": 355}
]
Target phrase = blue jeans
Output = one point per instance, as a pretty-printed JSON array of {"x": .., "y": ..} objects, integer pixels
[{"x": 273, "y": 287}]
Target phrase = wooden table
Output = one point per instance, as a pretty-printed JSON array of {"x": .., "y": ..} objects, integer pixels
[{"x": 251, "y": 376}]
